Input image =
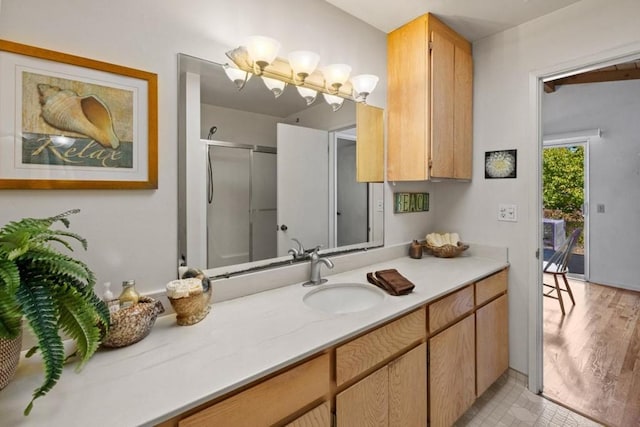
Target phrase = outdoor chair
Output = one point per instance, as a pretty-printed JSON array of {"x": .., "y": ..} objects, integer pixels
[{"x": 557, "y": 266}]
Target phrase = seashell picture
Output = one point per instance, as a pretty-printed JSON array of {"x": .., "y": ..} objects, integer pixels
[
  {"x": 74, "y": 123},
  {"x": 69, "y": 122}
]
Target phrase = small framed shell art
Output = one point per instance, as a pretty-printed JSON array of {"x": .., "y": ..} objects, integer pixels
[
  {"x": 500, "y": 164},
  {"x": 68, "y": 122}
]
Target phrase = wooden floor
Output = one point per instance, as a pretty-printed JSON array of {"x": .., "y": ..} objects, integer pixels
[{"x": 592, "y": 354}]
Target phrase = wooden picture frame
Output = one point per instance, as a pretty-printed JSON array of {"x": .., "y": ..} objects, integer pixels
[
  {"x": 410, "y": 202},
  {"x": 68, "y": 122}
]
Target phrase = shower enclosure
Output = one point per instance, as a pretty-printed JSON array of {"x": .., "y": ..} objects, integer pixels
[{"x": 241, "y": 203}]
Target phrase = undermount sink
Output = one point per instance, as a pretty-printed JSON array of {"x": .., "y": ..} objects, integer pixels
[{"x": 340, "y": 298}]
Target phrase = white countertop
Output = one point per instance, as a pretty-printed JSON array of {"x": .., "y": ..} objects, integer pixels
[{"x": 179, "y": 367}]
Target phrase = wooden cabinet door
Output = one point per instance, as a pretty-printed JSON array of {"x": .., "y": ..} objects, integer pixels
[
  {"x": 452, "y": 372},
  {"x": 270, "y": 401},
  {"x": 463, "y": 114},
  {"x": 407, "y": 102},
  {"x": 442, "y": 105},
  {"x": 408, "y": 389},
  {"x": 369, "y": 143},
  {"x": 366, "y": 403},
  {"x": 429, "y": 102},
  {"x": 492, "y": 336},
  {"x": 320, "y": 416},
  {"x": 451, "y": 108}
]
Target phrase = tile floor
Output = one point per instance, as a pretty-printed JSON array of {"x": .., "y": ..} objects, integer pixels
[{"x": 508, "y": 402}]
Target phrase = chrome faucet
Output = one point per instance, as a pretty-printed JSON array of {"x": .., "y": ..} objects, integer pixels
[
  {"x": 316, "y": 262},
  {"x": 299, "y": 252}
]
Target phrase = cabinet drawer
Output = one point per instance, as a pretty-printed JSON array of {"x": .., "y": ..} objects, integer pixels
[
  {"x": 375, "y": 347},
  {"x": 270, "y": 401},
  {"x": 449, "y": 308},
  {"x": 491, "y": 286},
  {"x": 320, "y": 416}
]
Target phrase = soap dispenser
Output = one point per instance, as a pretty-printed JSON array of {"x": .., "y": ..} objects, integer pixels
[
  {"x": 415, "y": 250},
  {"x": 112, "y": 303},
  {"x": 129, "y": 295}
]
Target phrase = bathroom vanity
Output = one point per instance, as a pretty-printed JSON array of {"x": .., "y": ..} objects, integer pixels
[{"x": 269, "y": 358}]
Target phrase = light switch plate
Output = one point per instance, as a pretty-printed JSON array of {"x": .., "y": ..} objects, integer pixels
[{"x": 507, "y": 213}]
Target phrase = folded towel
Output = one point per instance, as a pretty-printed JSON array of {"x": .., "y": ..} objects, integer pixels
[{"x": 391, "y": 281}]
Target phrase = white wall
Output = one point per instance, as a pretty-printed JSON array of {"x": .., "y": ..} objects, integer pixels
[
  {"x": 614, "y": 171},
  {"x": 503, "y": 64},
  {"x": 133, "y": 234},
  {"x": 238, "y": 126}
]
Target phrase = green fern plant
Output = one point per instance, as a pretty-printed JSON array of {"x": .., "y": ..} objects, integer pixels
[{"x": 52, "y": 291}]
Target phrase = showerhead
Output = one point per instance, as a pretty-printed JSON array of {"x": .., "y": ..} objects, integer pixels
[{"x": 213, "y": 130}]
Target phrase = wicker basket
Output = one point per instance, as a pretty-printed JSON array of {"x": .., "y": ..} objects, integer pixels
[
  {"x": 192, "y": 309},
  {"x": 9, "y": 358},
  {"x": 130, "y": 325},
  {"x": 446, "y": 251}
]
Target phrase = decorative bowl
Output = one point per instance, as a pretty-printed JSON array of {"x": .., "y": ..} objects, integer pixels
[
  {"x": 130, "y": 325},
  {"x": 446, "y": 251}
]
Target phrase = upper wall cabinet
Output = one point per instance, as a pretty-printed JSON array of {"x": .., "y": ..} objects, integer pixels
[
  {"x": 430, "y": 78},
  {"x": 369, "y": 143}
]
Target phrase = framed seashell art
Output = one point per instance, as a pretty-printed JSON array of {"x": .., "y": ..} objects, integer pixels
[{"x": 68, "y": 122}]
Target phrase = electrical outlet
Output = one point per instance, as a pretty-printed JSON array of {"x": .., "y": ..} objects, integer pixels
[{"x": 507, "y": 213}]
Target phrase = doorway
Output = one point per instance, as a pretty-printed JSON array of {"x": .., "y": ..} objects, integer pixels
[
  {"x": 589, "y": 321},
  {"x": 565, "y": 180},
  {"x": 352, "y": 197}
]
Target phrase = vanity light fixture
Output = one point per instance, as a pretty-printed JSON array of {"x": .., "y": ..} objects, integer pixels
[
  {"x": 309, "y": 95},
  {"x": 275, "y": 86},
  {"x": 363, "y": 85},
  {"x": 236, "y": 75},
  {"x": 259, "y": 57},
  {"x": 303, "y": 63},
  {"x": 262, "y": 51},
  {"x": 335, "y": 75},
  {"x": 334, "y": 101}
]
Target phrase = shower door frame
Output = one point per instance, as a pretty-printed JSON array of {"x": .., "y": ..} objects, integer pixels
[{"x": 252, "y": 149}]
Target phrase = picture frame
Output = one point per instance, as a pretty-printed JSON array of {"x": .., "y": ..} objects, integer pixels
[
  {"x": 410, "y": 202},
  {"x": 500, "y": 164},
  {"x": 68, "y": 122}
]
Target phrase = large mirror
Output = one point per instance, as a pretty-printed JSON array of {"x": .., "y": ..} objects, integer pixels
[{"x": 260, "y": 173}]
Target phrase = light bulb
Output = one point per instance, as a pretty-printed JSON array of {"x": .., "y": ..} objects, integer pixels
[
  {"x": 336, "y": 75},
  {"x": 309, "y": 95},
  {"x": 363, "y": 85},
  {"x": 334, "y": 101},
  {"x": 262, "y": 50},
  {"x": 237, "y": 76},
  {"x": 303, "y": 63},
  {"x": 275, "y": 86}
]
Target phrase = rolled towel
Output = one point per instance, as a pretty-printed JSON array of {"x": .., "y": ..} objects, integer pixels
[{"x": 182, "y": 288}]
